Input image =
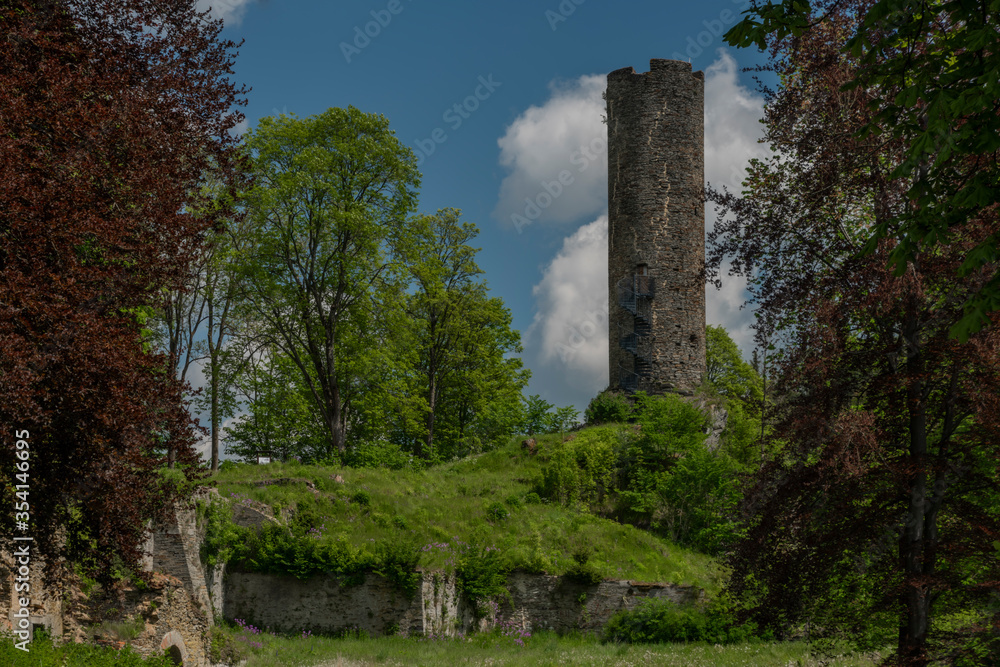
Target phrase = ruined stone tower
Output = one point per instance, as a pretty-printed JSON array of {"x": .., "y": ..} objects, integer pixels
[{"x": 656, "y": 227}]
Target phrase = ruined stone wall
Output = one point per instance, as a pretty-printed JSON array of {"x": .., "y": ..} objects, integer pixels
[
  {"x": 656, "y": 217},
  {"x": 325, "y": 605}
]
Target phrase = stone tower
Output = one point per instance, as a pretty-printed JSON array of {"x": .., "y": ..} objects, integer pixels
[{"x": 656, "y": 227}]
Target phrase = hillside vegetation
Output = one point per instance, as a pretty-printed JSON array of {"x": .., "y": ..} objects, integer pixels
[{"x": 488, "y": 504}]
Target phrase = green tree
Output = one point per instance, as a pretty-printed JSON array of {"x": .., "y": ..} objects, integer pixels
[
  {"x": 330, "y": 204},
  {"x": 537, "y": 415},
  {"x": 876, "y": 518},
  {"x": 726, "y": 371},
  {"x": 934, "y": 65},
  {"x": 279, "y": 415}
]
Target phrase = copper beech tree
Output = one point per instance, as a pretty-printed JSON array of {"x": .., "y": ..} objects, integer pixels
[
  {"x": 112, "y": 112},
  {"x": 876, "y": 514}
]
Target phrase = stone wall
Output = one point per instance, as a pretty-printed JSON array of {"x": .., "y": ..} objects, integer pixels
[
  {"x": 656, "y": 218},
  {"x": 325, "y": 605},
  {"x": 176, "y": 613}
]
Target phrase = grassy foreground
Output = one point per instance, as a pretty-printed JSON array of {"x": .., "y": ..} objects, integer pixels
[
  {"x": 495, "y": 649},
  {"x": 446, "y": 504}
]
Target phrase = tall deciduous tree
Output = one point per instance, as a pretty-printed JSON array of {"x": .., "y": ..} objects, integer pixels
[
  {"x": 457, "y": 331},
  {"x": 112, "y": 113},
  {"x": 940, "y": 59},
  {"x": 332, "y": 196},
  {"x": 878, "y": 515}
]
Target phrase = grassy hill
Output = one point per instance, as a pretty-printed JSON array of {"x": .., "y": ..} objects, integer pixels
[{"x": 489, "y": 497}]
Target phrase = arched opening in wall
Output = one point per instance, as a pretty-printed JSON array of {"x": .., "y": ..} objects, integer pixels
[
  {"x": 174, "y": 654},
  {"x": 172, "y": 645}
]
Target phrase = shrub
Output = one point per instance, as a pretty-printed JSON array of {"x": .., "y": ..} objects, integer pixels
[
  {"x": 361, "y": 498},
  {"x": 584, "y": 573},
  {"x": 220, "y": 532},
  {"x": 608, "y": 407},
  {"x": 496, "y": 512},
  {"x": 582, "y": 469},
  {"x": 376, "y": 455},
  {"x": 657, "y": 620},
  {"x": 533, "y": 498},
  {"x": 397, "y": 561},
  {"x": 482, "y": 573}
]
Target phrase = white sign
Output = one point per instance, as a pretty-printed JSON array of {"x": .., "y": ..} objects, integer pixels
[{"x": 263, "y": 459}]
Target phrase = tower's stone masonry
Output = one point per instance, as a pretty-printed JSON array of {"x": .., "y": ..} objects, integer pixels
[{"x": 656, "y": 228}]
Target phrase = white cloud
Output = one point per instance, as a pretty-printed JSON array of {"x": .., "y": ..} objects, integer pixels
[
  {"x": 564, "y": 135},
  {"x": 569, "y": 335},
  {"x": 732, "y": 127},
  {"x": 567, "y": 342},
  {"x": 240, "y": 128},
  {"x": 230, "y": 11}
]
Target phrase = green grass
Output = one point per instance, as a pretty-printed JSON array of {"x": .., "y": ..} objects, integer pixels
[
  {"x": 42, "y": 653},
  {"x": 540, "y": 650},
  {"x": 449, "y": 502}
]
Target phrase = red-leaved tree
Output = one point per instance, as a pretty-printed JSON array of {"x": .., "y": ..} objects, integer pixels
[
  {"x": 876, "y": 516},
  {"x": 112, "y": 112}
]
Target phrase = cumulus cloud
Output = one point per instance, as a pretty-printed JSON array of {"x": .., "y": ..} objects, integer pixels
[
  {"x": 732, "y": 124},
  {"x": 567, "y": 342},
  {"x": 732, "y": 127},
  {"x": 556, "y": 157},
  {"x": 230, "y": 11},
  {"x": 569, "y": 334}
]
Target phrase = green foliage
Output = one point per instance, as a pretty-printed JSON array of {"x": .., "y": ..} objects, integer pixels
[
  {"x": 455, "y": 386},
  {"x": 444, "y": 505},
  {"x": 496, "y": 512},
  {"x": 537, "y": 416},
  {"x": 362, "y": 498},
  {"x": 225, "y": 648},
  {"x": 281, "y": 418},
  {"x": 42, "y": 652},
  {"x": 366, "y": 454},
  {"x": 564, "y": 418},
  {"x": 608, "y": 407},
  {"x": 397, "y": 561},
  {"x": 274, "y": 549},
  {"x": 220, "y": 532},
  {"x": 726, "y": 371},
  {"x": 481, "y": 572},
  {"x": 579, "y": 470},
  {"x": 657, "y": 620}
]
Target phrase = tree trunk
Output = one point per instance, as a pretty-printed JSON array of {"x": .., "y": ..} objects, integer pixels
[
  {"x": 215, "y": 414},
  {"x": 430, "y": 416},
  {"x": 916, "y": 596},
  {"x": 337, "y": 425}
]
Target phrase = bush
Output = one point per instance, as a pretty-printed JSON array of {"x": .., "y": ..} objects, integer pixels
[
  {"x": 608, "y": 407},
  {"x": 361, "y": 498},
  {"x": 482, "y": 573},
  {"x": 532, "y": 498},
  {"x": 376, "y": 455},
  {"x": 397, "y": 561},
  {"x": 220, "y": 532},
  {"x": 579, "y": 470},
  {"x": 656, "y": 620},
  {"x": 496, "y": 512}
]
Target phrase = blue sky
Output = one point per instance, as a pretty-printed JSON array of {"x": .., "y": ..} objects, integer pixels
[{"x": 527, "y": 79}]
